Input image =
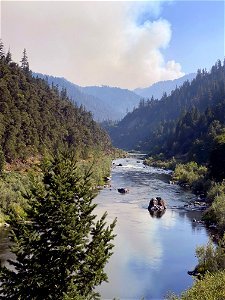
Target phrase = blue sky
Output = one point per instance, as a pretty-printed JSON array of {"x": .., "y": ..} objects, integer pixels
[
  {"x": 198, "y": 33},
  {"x": 117, "y": 43}
]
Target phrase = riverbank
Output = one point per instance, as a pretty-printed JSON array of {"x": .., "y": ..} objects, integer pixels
[
  {"x": 196, "y": 178},
  {"x": 16, "y": 179}
]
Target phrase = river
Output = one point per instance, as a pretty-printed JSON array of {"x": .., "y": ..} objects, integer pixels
[{"x": 152, "y": 254}]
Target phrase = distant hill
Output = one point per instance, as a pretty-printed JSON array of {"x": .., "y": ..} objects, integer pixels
[
  {"x": 105, "y": 103},
  {"x": 123, "y": 100},
  {"x": 157, "y": 89}
]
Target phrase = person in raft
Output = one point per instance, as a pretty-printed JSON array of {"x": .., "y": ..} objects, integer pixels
[{"x": 157, "y": 204}]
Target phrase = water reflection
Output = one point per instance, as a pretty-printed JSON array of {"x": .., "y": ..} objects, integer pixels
[
  {"x": 156, "y": 213},
  {"x": 4, "y": 248}
]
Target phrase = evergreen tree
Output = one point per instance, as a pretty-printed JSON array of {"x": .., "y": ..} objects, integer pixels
[
  {"x": 24, "y": 61},
  {"x": 8, "y": 57},
  {"x": 61, "y": 250},
  {"x": 2, "y": 52}
]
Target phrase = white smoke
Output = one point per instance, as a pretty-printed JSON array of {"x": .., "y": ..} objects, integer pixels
[{"x": 91, "y": 43}]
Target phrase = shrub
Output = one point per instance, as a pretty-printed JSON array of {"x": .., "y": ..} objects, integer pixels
[
  {"x": 192, "y": 174},
  {"x": 212, "y": 287}
]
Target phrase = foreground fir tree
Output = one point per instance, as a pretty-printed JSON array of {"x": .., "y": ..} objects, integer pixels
[{"x": 61, "y": 249}]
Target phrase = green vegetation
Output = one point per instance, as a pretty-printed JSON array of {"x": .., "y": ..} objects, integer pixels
[
  {"x": 61, "y": 248},
  {"x": 216, "y": 212},
  {"x": 212, "y": 287},
  {"x": 159, "y": 161},
  {"x": 217, "y": 157},
  {"x": 196, "y": 177},
  {"x": 211, "y": 258},
  {"x": 191, "y": 174},
  {"x": 15, "y": 184}
]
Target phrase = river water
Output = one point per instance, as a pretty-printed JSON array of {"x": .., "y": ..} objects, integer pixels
[{"x": 152, "y": 254}]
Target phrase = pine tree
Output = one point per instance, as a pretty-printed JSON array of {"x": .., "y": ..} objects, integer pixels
[
  {"x": 24, "y": 61},
  {"x": 61, "y": 250},
  {"x": 8, "y": 57},
  {"x": 2, "y": 52}
]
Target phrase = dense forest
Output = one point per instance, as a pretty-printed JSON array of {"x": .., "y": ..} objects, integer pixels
[
  {"x": 35, "y": 117},
  {"x": 172, "y": 124}
]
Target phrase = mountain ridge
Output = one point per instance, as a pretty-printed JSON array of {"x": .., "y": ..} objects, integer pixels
[{"x": 156, "y": 90}]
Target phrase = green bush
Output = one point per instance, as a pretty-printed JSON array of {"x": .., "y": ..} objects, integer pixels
[
  {"x": 211, "y": 258},
  {"x": 216, "y": 213},
  {"x": 159, "y": 162},
  {"x": 100, "y": 168},
  {"x": 13, "y": 186},
  {"x": 216, "y": 189},
  {"x": 212, "y": 287},
  {"x": 192, "y": 174}
]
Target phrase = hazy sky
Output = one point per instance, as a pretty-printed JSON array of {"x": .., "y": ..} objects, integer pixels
[{"x": 117, "y": 43}]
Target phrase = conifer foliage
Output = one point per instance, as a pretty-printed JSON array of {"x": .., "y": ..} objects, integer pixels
[
  {"x": 61, "y": 248},
  {"x": 35, "y": 118},
  {"x": 24, "y": 61}
]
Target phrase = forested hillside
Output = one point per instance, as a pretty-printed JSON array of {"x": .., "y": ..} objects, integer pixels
[
  {"x": 35, "y": 117},
  {"x": 175, "y": 121},
  {"x": 95, "y": 105},
  {"x": 105, "y": 103}
]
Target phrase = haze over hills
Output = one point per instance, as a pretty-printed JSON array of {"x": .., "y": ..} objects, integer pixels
[
  {"x": 111, "y": 103},
  {"x": 159, "y": 88},
  {"x": 123, "y": 100}
]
